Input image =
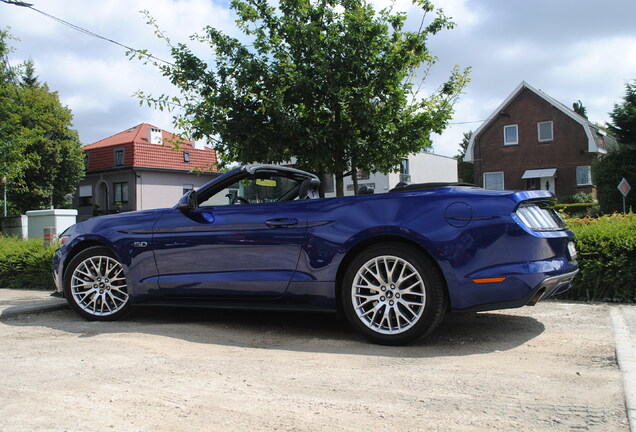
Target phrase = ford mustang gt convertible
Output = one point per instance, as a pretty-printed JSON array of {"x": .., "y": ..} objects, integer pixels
[{"x": 260, "y": 237}]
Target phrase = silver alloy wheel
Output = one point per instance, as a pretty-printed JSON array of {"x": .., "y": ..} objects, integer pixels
[
  {"x": 98, "y": 286},
  {"x": 388, "y": 294}
]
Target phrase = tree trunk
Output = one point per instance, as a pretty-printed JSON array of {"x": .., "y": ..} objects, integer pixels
[
  {"x": 339, "y": 171},
  {"x": 339, "y": 183},
  {"x": 354, "y": 175}
]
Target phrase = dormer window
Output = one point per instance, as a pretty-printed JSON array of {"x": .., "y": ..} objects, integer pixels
[
  {"x": 511, "y": 135},
  {"x": 544, "y": 131},
  {"x": 119, "y": 157}
]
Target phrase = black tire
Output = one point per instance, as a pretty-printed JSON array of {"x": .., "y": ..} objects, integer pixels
[
  {"x": 393, "y": 294},
  {"x": 95, "y": 285}
]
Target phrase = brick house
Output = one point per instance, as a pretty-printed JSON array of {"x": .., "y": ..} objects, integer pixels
[
  {"x": 532, "y": 141},
  {"x": 137, "y": 169}
]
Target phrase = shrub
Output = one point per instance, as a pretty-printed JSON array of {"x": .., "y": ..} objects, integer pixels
[
  {"x": 25, "y": 264},
  {"x": 579, "y": 197},
  {"x": 607, "y": 258},
  {"x": 578, "y": 210}
]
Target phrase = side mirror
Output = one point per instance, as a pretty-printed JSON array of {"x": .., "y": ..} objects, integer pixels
[{"x": 188, "y": 201}]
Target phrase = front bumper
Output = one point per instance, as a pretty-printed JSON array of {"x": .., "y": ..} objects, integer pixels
[{"x": 57, "y": 272}]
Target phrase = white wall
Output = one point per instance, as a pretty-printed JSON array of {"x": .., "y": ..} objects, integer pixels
[
  {"x": 163, "y": 189},
  {"x": 429, "y": 167},
  {"x": 423, "y": 168}
]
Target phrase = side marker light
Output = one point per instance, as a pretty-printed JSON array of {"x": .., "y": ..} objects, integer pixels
[{"x": 489, "y": 280}]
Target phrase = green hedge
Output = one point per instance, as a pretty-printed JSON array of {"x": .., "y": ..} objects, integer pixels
[
  {"x": 577, "y": 210},
  {"x": 25, "y": 264},
  {"x": 607, "y": 258}
]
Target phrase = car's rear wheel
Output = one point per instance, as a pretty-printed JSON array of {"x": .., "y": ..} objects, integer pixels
[
  {"x": 393, "y": 294},
  {"x": 95, "y": 285}
]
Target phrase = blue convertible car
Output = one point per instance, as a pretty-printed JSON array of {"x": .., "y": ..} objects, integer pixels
[{"x": 260, "y": 237}]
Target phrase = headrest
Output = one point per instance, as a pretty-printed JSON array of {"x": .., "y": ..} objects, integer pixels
[{"x": 309, "y": 189}]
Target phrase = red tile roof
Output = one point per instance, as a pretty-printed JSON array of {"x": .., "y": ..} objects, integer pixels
[{"x": 139, "y": 152}]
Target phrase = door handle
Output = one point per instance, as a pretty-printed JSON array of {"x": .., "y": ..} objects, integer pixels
[{"x": 281, "y": 223}]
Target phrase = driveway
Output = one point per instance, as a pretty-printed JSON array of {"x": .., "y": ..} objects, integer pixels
[{"x": 548, "y": 367}]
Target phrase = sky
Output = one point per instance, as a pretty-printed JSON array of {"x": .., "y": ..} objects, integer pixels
[{"x": 571, "y": 49}]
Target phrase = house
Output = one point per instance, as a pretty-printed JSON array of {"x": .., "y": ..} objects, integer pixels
[
  {"x": 421, "y": 167},
  {"x": 532, "y": 141},
  {"x": 139, "y": 169}
]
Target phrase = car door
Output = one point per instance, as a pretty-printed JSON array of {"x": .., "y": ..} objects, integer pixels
[{"x": 238, "y": 249}]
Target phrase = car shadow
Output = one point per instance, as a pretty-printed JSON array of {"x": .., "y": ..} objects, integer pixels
[{"x": 459, "y": 334}]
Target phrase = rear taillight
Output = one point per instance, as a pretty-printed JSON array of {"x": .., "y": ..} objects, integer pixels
[{"x": 538, "y": 216}]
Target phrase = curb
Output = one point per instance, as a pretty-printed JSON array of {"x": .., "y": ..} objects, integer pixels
[
  {"x": 626, "y": 362},
  {"x": 32, "y": 309}
]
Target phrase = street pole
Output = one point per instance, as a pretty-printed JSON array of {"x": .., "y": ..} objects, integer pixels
[
  {"x": 624, "y": 188},
  {"x": 4, "y": 183}
]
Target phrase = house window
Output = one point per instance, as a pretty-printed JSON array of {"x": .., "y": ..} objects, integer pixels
[
  {"x": 120, "y": 191},
  {"x": 405, "y": 174},
  {"x": 511, "y": 135},
  {"x": 119, "y": 157},
  {"x": 186, "y": 157},
  {"x": 86, "y": 195},
  {"x": 404, "y": 166},
  {"x": 583, "y": 176},
  {"x": 86, "y": 161},
  {"x": 187, "y": 188},
  {"x": 533, "y": 184},
  {"x": 544, "y": 130},
  {"x": 494, "y": 180}
]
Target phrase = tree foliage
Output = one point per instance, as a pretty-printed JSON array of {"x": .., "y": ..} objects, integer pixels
[
  {"x": 328, "y": 83},
  {"x": 621, "y": 162},
  {"x": 579, "y": 108},
  {"x": 623, "y": 125},
  {"x": 40, "y": 154},
  {"x": 11, "y": 146},
  {"x": 465, "y": 170}
]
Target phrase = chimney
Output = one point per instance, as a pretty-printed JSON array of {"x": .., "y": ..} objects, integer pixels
[
  {"x": 154, "y": 136},
  {"x": 199, "y": 144}
]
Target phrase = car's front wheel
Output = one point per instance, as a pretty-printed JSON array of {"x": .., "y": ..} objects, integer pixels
[
  {"x": 95, "y": 285},
  {"x": 393, "y": 294}
]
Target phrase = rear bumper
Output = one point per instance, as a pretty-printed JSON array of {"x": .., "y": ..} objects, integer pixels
[
  {"x": 548, "y": 287},
  {"x": 552, "y": 286}
]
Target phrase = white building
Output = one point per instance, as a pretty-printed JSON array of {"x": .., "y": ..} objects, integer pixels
[{"x": 418, "y": 168}]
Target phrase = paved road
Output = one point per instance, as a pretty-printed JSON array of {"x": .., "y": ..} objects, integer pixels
[{"x": 551, "y": 367}]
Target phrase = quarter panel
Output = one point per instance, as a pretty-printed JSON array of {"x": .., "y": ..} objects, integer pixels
[{"x": 492, "y": 243}]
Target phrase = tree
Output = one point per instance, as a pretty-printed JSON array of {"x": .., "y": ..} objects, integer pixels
[
  {"x": 465, "y": 170},
  {"x": 11, "y": 145},
  {"x": 621, "y": 162},
  {"x": 579, "y": 108},
  {"x": 40, "y": 154},
  {"x": 28, "y": 78},
  {"x": 623, "y": 125},
  {"x": 327, "y": 83}
]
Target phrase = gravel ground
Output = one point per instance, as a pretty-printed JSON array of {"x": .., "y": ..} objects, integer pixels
[{"x": 550, "y": 367}]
